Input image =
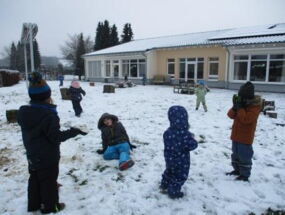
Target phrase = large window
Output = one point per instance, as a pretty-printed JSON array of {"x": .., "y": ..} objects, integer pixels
[
  {"x": 200, "y": 68},
  {"x": 107, "y": 68},
  {"x": 94, "y": 68},
  {"x": 171, "y": 67},
  {"x": 134, "y": 68},
  {"x": 277, "y": 68},
  {"x": 182, "y": 63},
  {"x": 260, "y": 68},
  {"x": 213, "y": 68},
  {"x": 240, "y": 67},
  {"x": 191, "y": 68}
]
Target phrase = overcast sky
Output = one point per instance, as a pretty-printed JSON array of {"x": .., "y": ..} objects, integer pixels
[{"x": 58, "y": 18}]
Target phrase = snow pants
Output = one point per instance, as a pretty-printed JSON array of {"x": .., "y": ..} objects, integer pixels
[
  {"x": 173, "y": 178},
  {"x": 199, "y": 101},
  {"x": 43, "y": 190},
  {"x": 77, "y": 107},
  {"x": 119, "y": 152},
  {"x": 242, "y": 158}
]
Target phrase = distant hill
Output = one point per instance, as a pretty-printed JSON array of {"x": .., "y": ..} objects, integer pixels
[{"x": 50, "y": 61}]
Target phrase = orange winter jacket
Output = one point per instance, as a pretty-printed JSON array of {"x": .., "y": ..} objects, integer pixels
[{"x": 245, "y": 120}]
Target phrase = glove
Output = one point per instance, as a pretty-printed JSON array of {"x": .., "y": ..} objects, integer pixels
[
  {"x": 132, "y": 146},
  {"x": 101, "y": 151},
  {"x": 77, "y": 131}
]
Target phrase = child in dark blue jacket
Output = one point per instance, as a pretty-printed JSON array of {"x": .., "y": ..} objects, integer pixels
[
  {"x": 178, "y": 142},
  {"x": 75, "y": 92}
]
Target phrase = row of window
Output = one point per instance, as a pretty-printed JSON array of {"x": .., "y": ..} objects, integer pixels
[
  {"x": 134, "y": 68},
  {"x": 187, "y": 68},
  {"x": 260, "y": 68}
]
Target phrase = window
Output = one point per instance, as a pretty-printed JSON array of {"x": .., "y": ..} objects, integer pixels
[
  {"x": 94, "y": 68},
  {"x": 171, "y": 67},
  {"x": 240, "y": 67},
  {"x": 107, "y": 68},
  {"x": 260, "y": 68},
  {"x": 213, "y": 68},
  {"x": 134, "y": 68}
]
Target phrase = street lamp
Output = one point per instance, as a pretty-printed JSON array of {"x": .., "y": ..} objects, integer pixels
[{"x": 29, "y": 32}]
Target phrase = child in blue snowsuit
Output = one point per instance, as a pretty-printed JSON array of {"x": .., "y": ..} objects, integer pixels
[{"x": 178, "y": 142}]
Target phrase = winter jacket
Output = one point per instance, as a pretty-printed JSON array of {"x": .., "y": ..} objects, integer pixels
[
  {"x": 178, "y": 141},
  {"x": 75, "y": 93},
  {"x": 41, "y": 134},
  {"x": 113, "y": 135},
  {"x": 245, "y": 120},
  {"x": 200, "y": 93}
]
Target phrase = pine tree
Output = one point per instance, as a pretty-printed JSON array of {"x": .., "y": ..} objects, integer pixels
[
  {"x": 127, "y": 33},
  {"x": 37, "y": 55},
  {"x": 13, "y": 56},
  {"x": 98, "y": 38},
  {"x": 79, "y": 61},
  {"x": 105, "y": 35},
  {"x": 20, "y": 59},
  {"x": 114, "y": 39}
]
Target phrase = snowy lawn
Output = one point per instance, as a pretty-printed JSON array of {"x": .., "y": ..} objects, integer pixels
[{"x": 94, "y": 186}]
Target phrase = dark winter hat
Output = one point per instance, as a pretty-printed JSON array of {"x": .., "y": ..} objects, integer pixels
[
  {"x": 39, "y": 90},
  {"x": 246, "y": 90}
]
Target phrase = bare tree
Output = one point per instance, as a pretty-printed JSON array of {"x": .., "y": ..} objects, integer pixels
[{"x": 69, "y": 48}]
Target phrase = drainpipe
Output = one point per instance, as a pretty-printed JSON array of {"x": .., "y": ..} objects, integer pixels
[{"x": 227, "y": 67}]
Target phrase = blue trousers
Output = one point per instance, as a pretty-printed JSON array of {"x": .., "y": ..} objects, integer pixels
[
  {"x": 119, "y": 152},
  {"x": 173, "y": 178},
  {"x": 242, "y": 158}
]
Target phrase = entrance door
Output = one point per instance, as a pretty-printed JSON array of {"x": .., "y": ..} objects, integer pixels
[
  {"x": 116, "y": 71},
  {"x": 191, "y": 72}
]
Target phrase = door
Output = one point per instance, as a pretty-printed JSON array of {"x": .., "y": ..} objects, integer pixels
[
  {"x": 116, "y": 70},
  {"x": 191, "y": 72}
]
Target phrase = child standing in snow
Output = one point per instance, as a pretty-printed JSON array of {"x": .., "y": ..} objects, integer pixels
[
  {"x": 115, "y": 140},
  {"x": 201, "y": 92},
  {"x": 75, "y": 92},
  {"x": 178, "y": 142},
  {"x": 245, "y": 112},
  {"x": 42, "y": 137}
]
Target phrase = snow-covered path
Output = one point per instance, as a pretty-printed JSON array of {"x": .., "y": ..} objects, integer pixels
[{"x": 94, "y": 186}]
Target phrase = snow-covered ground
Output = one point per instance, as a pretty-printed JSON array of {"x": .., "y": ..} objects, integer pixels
[{"x": 94, "y": 186}]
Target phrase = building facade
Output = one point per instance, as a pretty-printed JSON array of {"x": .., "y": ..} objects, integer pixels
[{"x": 224, "y": 59}]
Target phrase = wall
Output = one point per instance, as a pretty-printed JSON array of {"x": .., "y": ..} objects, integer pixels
[{"x": 205, "y": 52}]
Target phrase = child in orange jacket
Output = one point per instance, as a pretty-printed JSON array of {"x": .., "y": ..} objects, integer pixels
[{"x": 245, "y": 112}]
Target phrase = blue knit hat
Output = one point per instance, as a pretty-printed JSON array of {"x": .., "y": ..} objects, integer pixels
[
  {"x": 39, "y": 90},
  {"x": 201, "y": 82}
]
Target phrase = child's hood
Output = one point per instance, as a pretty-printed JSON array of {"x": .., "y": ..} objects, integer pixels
[
  {"x": 103, "y": 117},
  {"x": 178, "y": 118}
]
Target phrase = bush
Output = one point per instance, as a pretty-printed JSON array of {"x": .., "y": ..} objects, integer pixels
[{"x": 9, "y": 77}]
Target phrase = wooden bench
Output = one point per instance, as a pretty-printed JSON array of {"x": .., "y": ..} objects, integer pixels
[
  {"x": 268, "y": 108},
  {"x": 185, "y": 88},
  {"x": 109, "y": 89}
]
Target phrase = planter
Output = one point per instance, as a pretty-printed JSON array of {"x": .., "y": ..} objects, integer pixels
[
  {"x": 109, "y": 89},
  {"x": 91, "y": 84},
  {"x": 65, "y": 94},
  {"x": 12, "y": 116}
]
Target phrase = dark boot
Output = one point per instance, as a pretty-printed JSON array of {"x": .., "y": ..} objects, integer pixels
[
  {"x": 177, "y": 196},
  {"x": 242, "y": 178},
  {"x": 59, "y": 207},
  {"x": 126, "y": 165},
  {"x": 234, "y": 172}
]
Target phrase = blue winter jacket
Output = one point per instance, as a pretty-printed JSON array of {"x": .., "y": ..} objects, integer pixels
[{"x": 178, "y": 141}]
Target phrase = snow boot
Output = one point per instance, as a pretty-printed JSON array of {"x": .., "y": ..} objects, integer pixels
[
  {"x": 242, "y": 178},
  {"x": 163, "y": 190},
  {"x": 177, "y": 196},
  {"x": 59, "y": 207},
  {"x": 126, "y": 165},
  {"x": 234, "y": 172}
]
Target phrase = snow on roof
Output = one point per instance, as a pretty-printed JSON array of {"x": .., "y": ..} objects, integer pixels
[
  {"x": 246, "y": 35},
  {"x": 9, "y": 71}
]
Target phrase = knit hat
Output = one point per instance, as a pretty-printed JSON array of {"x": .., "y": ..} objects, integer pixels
[
  {"x": 75, "y": 84},
  {"x": 246, "y": 90},
  {"x": 38, "y": 90},
  {"x": 201, "y": 82}
]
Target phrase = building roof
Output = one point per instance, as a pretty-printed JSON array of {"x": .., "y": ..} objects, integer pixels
[{"x": 228, "y": 37}]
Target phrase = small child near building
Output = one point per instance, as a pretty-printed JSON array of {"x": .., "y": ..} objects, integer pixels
[
  {"x": 178, "y": 142},
  {"x": 201, "y": 92},
  {"x": 75, "y": 92},
  {"x": 245, "y": 111},
  {"x": 42, "y": 137},
  {"x": 115, "y": 141}
]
